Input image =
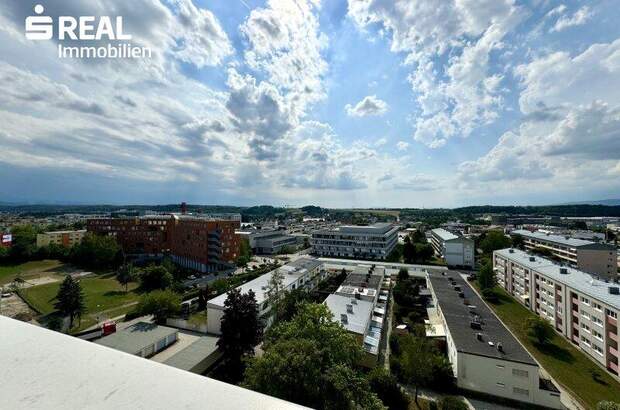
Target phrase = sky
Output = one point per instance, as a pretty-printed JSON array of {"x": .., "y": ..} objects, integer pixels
[{"x": 365, "y": 103}]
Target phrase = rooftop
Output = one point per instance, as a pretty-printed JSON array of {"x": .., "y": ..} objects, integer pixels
[
  {"x": 557, "y": 239},
  {"x": 136, "y": 337},
  {"x": 292, "y": 272},
  {"x": 357, "y": 322},
  {"x": 43, "y": 369},
  {"x": 194, "y": 354},
  {"x": 375, "y": 229},
  {"x": 580, "y": 281},
  {"x": 459, "y": 316},
  {"x": 444, "y": 234}
]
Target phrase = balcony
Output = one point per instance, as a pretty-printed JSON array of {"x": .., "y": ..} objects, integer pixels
[
  {"x": 613, "y": 351},
  {"x": 612, "y": 321},
  {"x": 612, "y": 366},
  {"x": 613, "y": 336}
]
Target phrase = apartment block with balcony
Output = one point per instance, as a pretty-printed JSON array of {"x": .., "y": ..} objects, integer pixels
[
  {"x": 455, "y": 250},
  {"x": 361, "y": 242},
  {"x": 588, "y": 256},
  {"x": 60, "y": 238},
  {"x": 580, "y": 307}
]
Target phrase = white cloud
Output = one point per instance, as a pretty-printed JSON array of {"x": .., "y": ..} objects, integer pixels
[
  {"x": 402, "y": 145},
  {"x": 580, "y": 17},
  {"x": 369, "y": 105},
  {"x": 380, "y": 142}
]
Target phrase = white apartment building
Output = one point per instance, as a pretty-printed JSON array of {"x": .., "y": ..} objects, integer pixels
[
  {"x": 303, "y": 273},
  {"x": 361, "y": 242},
  {"x": 453, "y": 249},
  {"x": 485, "y": 356},
  {"x": 60, "y": 238},
  {"x": 588, "y": 256},
  {"x": 581, "y": 308}
]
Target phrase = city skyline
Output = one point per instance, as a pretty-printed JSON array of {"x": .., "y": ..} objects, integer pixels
[{"x": 339, "y": 104}]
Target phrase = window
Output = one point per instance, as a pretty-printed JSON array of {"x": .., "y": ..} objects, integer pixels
[
  {"x": 585, "y": 301},
  {"x": 520, "y": 373},
  {"x": 597, "y": 349},
  {"x": 499, "y": 366},
  {"x": 520, "y": 391},
  {"x": 597, "y": 306},
  {"x": 500, "y": 384},
  {"x": 612, "y": 314}
]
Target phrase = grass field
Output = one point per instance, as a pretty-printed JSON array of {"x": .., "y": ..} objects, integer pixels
[
  {"x": 565, "y": 363},
  {"x": 30, "y": 270},
  {"x": 104, "y": 297}
]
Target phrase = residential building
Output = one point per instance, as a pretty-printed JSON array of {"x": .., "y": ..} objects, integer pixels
[
  {"x": 6, "y": 239},
  {"x": 304, "y": 272},
  {"x": 60, "y": 238},
  {"x": 43, "y": 369},
  {"x": 361, "y": 242},
  {"x": 360, "y": 305},
  {"x": 588, "y": 256},
  {"x": 485, "y": 357},
  {"x": 141, "y": 339},
  {"x": 198, "y": 242},
  {"x": 455, "y": 250},
  {"x": 581, "y": 308}
]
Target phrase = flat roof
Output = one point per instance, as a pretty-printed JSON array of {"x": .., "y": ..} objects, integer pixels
[
  {"x": 378, "y": 228},
  {"x": 458, "y": 318},
  {"x": 582, "y": 282},
  {"x": 557, "y": 239},
  {"x": 193, "y": 354},
  {"x": 357, "y": 322},
  {"x": 444, "y": 234},
  {"x": 67, "y": 231},
  {"x": 292, "y": 272},
  {"x": 43, "y": 369},
  {"x": 136, "y": 337}
]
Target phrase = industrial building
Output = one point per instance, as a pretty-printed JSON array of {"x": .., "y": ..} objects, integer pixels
[
  {"x": 304, "y": 272},
  {"x": 455, "y": 250},
  {"x": 141, "y": 339},
  {"x": 485, "y": 357},
  {"x": 361, "y": 242},
  {"x": 200, "y": 242},
  {"x": 60, "y": 238},
  {"x": 581, "y": 308},
  {"x": 592, "y": 257}
]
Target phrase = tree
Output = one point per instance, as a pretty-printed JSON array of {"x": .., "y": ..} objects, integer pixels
[
  {"x": 403, "y": 274},
  {"x": 23, "y": 245},
  {"x": 486, "y": 277},
  {"x": 387, "y": 389},
  {"x": 275, "y": 293},
  {"x": 245, "y": 253},
  {"x": 416, "y": 361},
  {"x": 162, "y": 304},
  {"x": 155, "y": 277},
  {"x": 607, "y": 405},
  {"x": 452, "y": 403},
  {"x": 291, "y": 302},
  {"x": 70, "y": 299},
  {"x": 125, "y": 274},
  {"x": 241, "y": 330},
  {"x": 424, "y": 252},
  {"x": 517, "y": 241},
  {"x": 4, "y": 253},
  {"x": 409, "y": 249},
  {"x": 495, "y": 240},
  {"x": 310, "y": 360},
  {"x": 539, "y": 329},
  {"x": 96, "y": 251}
]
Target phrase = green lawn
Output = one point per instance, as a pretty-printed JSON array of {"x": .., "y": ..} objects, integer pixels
[
  {"x": 565, "y": 363},
  {"x": 30, "y": 270},
  {"x": 101, "y": 294}
]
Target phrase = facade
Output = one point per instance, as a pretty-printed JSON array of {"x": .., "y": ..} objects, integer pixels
[
  {"x": 269, "y": 242},
  {"x": 302, "y": 273},
  {"x": 141, "y": 339},
  {"x": 361, "y": 242},
  {"x": 588, "y": 256},
  {"x": 581, "y": 308},
  {"x": 360, "y": 305},
  {"x": 453, "y": 249},
  {"x": 202, "y": 243},
  {"x": 485, "y": 357},
  {"x": 6, "y": 240},
  {"x": 61, "y": 238}
]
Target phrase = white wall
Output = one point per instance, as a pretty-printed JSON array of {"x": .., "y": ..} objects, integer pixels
[{"x": 214, "y": 319}]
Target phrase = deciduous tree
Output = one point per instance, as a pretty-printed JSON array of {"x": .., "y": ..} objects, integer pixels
[{"x": 70, "y": 299}]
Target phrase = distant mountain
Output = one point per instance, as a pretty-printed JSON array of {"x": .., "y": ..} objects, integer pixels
[{"x": 606, "y": 202}]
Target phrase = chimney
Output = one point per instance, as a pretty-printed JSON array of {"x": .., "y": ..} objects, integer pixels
[{"x": 349, "y": 308}]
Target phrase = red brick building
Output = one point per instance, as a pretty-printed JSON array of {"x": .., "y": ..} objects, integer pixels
[{"x": 203, "y": 243}]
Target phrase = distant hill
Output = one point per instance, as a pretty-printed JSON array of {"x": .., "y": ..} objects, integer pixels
[{"x": 606, "y": 202}]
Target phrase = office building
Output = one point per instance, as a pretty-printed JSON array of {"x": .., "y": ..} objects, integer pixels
[
  {"x": 361, "y": 242},
  {"x": 455, "y": 250},
  {"x": 198, "y": 242},
  {"x": 485, "y": 357},
  {"x": 43, "y": 369},
  {"x": 588, "y": 256},
  {"x": 302, "y": 273},
  {"x": 269, "y": 242},
  {"x": 581, "y": 308},
  {"x": 60, "y": 238}
]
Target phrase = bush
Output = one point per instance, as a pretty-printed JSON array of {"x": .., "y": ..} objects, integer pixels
[
  {"x": 539, "y": 329},
  {"x": 452, "y": 403},
  {"x": 489, "y": 295},
  {"x": 161, "y": 303},
  {"x": 155, "y": 277},
  {"x": 386, "y": 387}
]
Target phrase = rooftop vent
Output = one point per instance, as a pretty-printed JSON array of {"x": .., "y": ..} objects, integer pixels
[
  {"x": 479, "y": 336},
  {"x": 344, "y": 319},
  {"x": 475, "y": 324},
  {"x": 563, "y": 271},
  {"x": 491, "y": 343},
  {"x": 358, "y": 296},
  {"x": 511, "y": 250},
  {"x": 500, "y": 348},
  {"x": 461, "y": 295},
  {"x": 532, "y": 259},
  {"x": 349, "y": 308},
  {"x": 353, "y": 302},
  {"x": 614, "y": 290}
]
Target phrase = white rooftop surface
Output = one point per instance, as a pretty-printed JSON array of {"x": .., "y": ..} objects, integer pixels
[
  {"x": 581, "y": 281},
  {"x": 552, "y": 238},
  {"x": 292, "y": 272},
  {"x": 42, "y": 369},
  {"x": 444, "y": 235},
  {"x": 358, "y": 320}
]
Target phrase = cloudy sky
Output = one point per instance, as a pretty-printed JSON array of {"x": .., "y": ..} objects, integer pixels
[{"x": 411, "y": 103}]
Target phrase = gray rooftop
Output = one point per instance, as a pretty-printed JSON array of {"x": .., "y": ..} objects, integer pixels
[
  {"x": 557, "y": 239},
  {"x": 382, "y": 228},
  {"x": 42, "y": 369},
  {"x": 580, "y": 281},
  {"x": 357, "y": 322},
  {"x": 458, "y": 317},
  {"x": 136, "y": 337},
  {"x": 292, "y": 272},
  {"x": 194, "y": 354},
  {"x": 444, "y": 234}
]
